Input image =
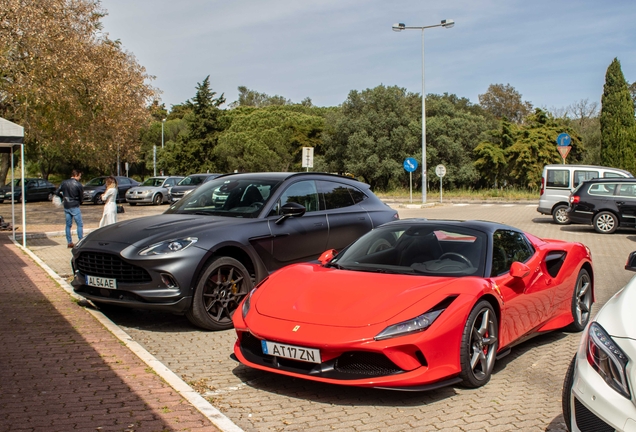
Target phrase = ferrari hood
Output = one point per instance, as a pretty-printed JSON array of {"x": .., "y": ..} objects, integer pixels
[
  {"x": 148, "y": 230},
  {"x": 313, "y": 294},
  {"x": 617, "y": 315}
]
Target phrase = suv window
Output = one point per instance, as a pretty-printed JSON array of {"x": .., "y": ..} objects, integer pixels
[
  {"x": 602, "y": 189},
  {"x": 581, "y": 176},
  {"x": 627, "y": 190},
  {"x": 508, "y": 247},
  {"x": 304, "y": 193},
  {"x": 339, "y": 195},
  {"x": 558, "y": 178}
]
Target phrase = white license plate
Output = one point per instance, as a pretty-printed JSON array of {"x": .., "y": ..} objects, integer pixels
[
  {"x": 309, "y": 355},
  {"x": 101, "y": 282}
]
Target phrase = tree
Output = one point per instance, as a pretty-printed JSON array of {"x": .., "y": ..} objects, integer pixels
[
  {"x": 618, "y": 128},
  {"x": 194, "y": 150},
  {"x": 504, "y": 101},
  {"x": 253, "y": 98},
  {"x": 268, "y": 139}
]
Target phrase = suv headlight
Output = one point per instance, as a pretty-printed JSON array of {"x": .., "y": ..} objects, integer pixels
[
  {"x": 607, "y": 359},
  {"x": 169, "y": 246}
]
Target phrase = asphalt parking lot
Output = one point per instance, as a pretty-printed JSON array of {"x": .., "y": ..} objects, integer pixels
[{"x": 523, "y": 394}]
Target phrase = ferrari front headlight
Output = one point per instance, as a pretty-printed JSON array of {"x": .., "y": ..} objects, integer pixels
[
  {"x": 247, "y": 304},
  {"x": 417, "y": 324},
  {"x": 169, "y": 246}
]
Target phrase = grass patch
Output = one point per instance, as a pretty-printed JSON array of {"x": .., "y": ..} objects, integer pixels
[{"x": 507, "y": 194}]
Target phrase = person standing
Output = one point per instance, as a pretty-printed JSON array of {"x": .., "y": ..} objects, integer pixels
[
  {"x": 72, "y": 192},
  {"x": 110, "y": 202}
]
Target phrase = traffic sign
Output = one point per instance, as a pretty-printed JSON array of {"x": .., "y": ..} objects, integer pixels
[
  {"x": 410, "y": 164},
  {"x": 564, "y": 150},
  {"x": 308, "y": 157},
  {"x": 563, "y": 139},
  {"x": 440, "y": 170}
]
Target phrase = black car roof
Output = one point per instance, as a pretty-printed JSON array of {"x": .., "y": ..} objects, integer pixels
[
  {"x": 285, "y": 175},
  {"x": 479, "y": 225},
  {"x": 611, "y": 180}
]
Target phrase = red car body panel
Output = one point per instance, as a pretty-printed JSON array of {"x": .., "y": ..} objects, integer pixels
[{"x": 342, "y": 311}]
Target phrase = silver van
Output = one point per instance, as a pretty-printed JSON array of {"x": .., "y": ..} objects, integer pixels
[{"x": 558, "y": 181}]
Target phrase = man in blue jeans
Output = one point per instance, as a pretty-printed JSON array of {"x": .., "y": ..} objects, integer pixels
[{"x": 72, "y": 192}]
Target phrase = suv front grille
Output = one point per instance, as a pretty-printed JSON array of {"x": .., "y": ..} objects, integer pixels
[{"x": 110, "y": 266}]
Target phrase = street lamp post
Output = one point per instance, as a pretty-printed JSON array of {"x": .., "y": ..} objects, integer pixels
[
  {"x": 162, "y": 122},
  {"x": 399, "y": 27}
]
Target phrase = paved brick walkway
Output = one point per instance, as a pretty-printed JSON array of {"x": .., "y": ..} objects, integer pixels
[{"x": 61, "y": 370}]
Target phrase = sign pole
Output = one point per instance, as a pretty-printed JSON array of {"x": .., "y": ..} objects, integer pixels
[{"x": 411, "y": 186}]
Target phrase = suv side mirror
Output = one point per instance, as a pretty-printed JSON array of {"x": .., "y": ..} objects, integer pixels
[
  {"x": 631, "y": 262},
  {"x": 291, "y": 209}
]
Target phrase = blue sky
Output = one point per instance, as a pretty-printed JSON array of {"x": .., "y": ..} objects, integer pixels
[{"x": 553, "y": 52}]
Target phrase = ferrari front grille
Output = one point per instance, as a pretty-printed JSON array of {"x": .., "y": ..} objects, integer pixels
[
  {"x": 366, "y": 363},
  {"x": 110, "y": 266}
]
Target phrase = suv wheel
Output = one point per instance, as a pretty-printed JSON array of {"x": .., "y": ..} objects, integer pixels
[
  {"x": 560, "y": 215},
  {"x": 605, "y": 222}
]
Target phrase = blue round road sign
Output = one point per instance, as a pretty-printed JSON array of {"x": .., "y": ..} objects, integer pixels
[
  {"x": 410, "y": 164},
  {"x": 563, "y": 139}
]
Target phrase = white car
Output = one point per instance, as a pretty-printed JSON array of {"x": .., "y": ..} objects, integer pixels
[
  {"x": 600, "y": 384},
  {"x": 154, "y": 190}
]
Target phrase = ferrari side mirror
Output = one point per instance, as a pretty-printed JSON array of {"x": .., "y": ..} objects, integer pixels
[
  {"x": 631, "y": 262},
  {"x": 327, "y": 256},
  {"x": 519, "y": 270}
]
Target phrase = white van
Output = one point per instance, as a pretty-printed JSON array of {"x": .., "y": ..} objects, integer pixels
[{"x": 558, "y": 181}]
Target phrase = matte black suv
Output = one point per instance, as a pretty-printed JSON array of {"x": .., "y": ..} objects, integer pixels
[
  {"x": 208, "y": 250},
  {"x": 605, "y": 203}
]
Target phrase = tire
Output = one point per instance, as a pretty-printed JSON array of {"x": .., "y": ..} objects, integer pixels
[
  {"x": 98, "y": 200},
  {"x": 566, "y": 394},
  {"x": 581, "y": 302},
  {"x": 560, "y": 215},
  {"x": 222, "y": 286},
  {"x": 132, "y": 204},
  {"x": 157, "y": 199},
  {"x": 478, "y": 350},
  {"x": 605, "y": 222}
]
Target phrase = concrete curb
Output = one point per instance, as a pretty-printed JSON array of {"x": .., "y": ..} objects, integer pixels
[{"x": 195, "y": 399}]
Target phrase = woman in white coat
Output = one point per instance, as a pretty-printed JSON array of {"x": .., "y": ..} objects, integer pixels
[{"x": 110, "y": 202}]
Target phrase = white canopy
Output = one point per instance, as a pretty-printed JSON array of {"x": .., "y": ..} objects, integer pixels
[{"x": 12, "y": 139}]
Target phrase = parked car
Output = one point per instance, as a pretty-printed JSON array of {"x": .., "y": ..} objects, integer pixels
[
  {"x": 201, "y": 257},
  {"x": 558, "y": 181},
  {"x": 604, "y": 203},
  {"x": 188, "y": 184},
  {"x": 414, "y": 305},
  {"x": 35, "y": 190},
  {"x": 94, "y": 189},
  {"x": 153, "y": 190},
  {"x": 598, "y": 390}
]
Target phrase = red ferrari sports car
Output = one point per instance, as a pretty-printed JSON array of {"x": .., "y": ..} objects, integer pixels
[{"x": 414, "y": 305}]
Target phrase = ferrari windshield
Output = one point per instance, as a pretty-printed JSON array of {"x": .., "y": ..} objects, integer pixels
[
  {"x": 420, "y": 249},
  {"x": 227, "y": 197}
]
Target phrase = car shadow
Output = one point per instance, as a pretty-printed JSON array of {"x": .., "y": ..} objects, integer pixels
[
  {"x": 542, "y": 220},
  {"x": 344, "y": 395},
  {"x": 147, "y": 320}
]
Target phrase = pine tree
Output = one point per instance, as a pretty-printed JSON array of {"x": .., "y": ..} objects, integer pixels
[{"x": 618, "y": 127}]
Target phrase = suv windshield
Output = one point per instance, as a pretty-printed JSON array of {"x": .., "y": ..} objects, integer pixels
[{"x": 227, "y": 197}]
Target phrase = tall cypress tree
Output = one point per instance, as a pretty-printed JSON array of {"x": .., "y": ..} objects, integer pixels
[{"x": 618, "y": 127}]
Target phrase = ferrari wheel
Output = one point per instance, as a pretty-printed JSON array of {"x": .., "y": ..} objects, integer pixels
[
  {"x": 581, "y": 302},
  {"x": 157, "y": 199},
  {"x": 566, "y": 394},
  {"x": 221, "y": 288},
  {"x": 479, "y": 345},
  {"x": 605, "y": 223},
  {"x": 560, "y": 215}
]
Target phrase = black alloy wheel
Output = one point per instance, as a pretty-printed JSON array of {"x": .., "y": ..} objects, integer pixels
[
  {"x": 480, "y": 341},
  {"x": 98, "y": 199},
  {"x": 581, "y": 302},
  {"x": 219, "y": 291}
]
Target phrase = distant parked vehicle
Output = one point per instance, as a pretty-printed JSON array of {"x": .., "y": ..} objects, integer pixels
[
  {"x": 35, "y": 189},
  {"x": 604, "y": 203},
  {"x": 94, "y": 189},
  {"x": 558, "y": 181},
  {"x": 188, "y": 184},
  {"x": 153, "y": 190}
]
